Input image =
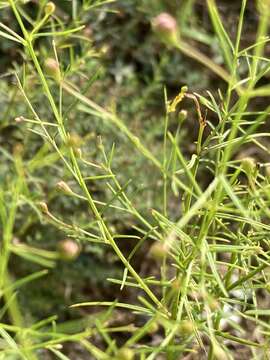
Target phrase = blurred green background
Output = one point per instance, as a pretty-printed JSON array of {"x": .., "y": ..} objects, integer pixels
[{"x": 117, "y": 61}]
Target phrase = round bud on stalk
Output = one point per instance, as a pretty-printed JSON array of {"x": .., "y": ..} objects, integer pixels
[
  {"x": 165, "y": 26},
  {"x": 88, "y": 31},
  {"x": 219, "y": 353},
  {"x": 104, "y": 50},
  {"x": 186, "y": 328},
  {"x": 69, "y": 249},
  {"x": 212, "y": 303},
  {"x": 63, "y": 186},
  {"x": 249, "y": 166},
  {"x": 43, "y": 207},
  {"x": 19, "y": 119},
  {"x": 153, "y": 328},
  {"x": 158, "y": 251},
  {"x": 78, "y": 152},
  {"x": 182, "y": 115},
  {"x": 52, "y": 69},
  {"x": 49, "y": 8},
  {"x": 125, "y": 354},
  {"x": 74, "y": 140}
]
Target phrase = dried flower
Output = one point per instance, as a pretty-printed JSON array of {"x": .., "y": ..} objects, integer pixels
[
  {"x": 69, "y": 249},
  {"x": 165, "y": 26}
]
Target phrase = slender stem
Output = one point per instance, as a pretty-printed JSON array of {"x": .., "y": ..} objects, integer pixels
[{"x": 103, "y": 228}]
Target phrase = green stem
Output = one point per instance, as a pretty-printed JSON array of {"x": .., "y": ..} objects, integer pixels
[{"x": 104, "y": 229}]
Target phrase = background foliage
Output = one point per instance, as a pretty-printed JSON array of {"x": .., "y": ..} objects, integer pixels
[{"x": 118, "y": 61}]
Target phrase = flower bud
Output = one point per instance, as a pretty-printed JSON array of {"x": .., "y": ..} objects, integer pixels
[
  {"x": 186, "y": 328},
  {"x": 219, "y": 353},
  {"x": 78, "y": 152},
  {"x": 74, "y": 140},
  {"x": 52, "y": 69},
  {"x": 88, "y": 31},
  {"x": 125, "y": 354},
  {"x": 182, "y": 115},
  {"x": 63, "y": 186},
  {"x": 69, "y": 249},
  {"x": 213, "y": 303},
  {"x": 153, "y": 328},
  {"x": 165, "y": 26},
  {"x": 158, "y": 251},
  {"x": 19, "y": 119},
  {"x": 249, "y": 166},
  {"x": 104, "y": 50},
  {"x": 43, "y": 207},
  {"x": 49, "y": 8}
]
